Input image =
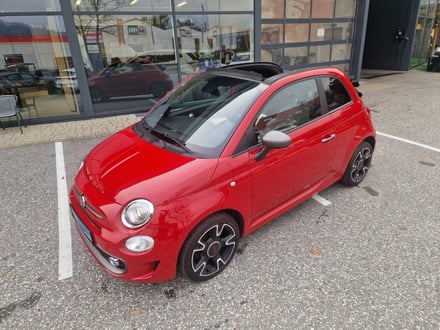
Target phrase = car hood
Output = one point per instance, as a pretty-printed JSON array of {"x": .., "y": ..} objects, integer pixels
[{"x": 125, "y": 167}]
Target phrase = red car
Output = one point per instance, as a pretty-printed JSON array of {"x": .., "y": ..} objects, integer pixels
[
  {"x": 134, "y": 77},
  {"x": 221, "y": 155}
]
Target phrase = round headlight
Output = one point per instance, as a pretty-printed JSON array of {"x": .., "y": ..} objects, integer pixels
[
  {"x": 137, "y": 213},
  {"x": 139, "y": 243}
]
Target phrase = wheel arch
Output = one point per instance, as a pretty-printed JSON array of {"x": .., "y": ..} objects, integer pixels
[{"x": 371, "y": 140}]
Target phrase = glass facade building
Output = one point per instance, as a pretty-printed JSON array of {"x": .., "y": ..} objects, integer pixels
[{"x": 87, "y": 58}]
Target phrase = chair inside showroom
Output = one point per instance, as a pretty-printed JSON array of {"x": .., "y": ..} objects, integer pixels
[
  {"x": 8, "y": 108},
  {"x": 29, "y": 104},
  {"x": 27, "y": 101}
]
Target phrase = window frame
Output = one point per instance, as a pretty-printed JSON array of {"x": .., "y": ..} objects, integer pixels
[{"x": 324, "y": 97}]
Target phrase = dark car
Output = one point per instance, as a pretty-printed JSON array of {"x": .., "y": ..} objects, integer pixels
[
  {"x": 11, "y": 82},
  {"x": 134, "y": 77},
  {"x": 434, "y": 61},
  {"x": 221, "y": 155},
  {"x": 49, "y": 76}
]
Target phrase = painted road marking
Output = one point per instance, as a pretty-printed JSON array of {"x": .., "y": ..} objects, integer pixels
[
  {"x": 409, "y": 141},
  {"x": 321, "y": 200},
  {"x": 65, "y": 269}
]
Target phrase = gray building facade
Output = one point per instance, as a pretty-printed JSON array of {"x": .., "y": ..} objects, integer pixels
[{"x": 74, "y": 59}]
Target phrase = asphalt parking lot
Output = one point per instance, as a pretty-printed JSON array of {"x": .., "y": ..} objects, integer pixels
[{"x": 366, "y": 257}]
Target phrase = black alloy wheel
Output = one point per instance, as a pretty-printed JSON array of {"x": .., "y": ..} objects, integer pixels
[
  {"x": 158, "y": 90},
  {"x": 359, "y": 165},
  {"x": 97, "y": 95},
  {"x": 209, "y": 248}
]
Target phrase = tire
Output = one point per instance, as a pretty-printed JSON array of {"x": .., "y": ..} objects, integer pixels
[
  {"x": 359, "y": 165},
  {"x": 209, "y": 248},
  {"x": 97, "y": 95},
  {"x": 158, "y": 90}
]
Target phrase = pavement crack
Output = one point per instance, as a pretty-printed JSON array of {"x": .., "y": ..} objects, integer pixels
[{"x": 26, "y": 303}]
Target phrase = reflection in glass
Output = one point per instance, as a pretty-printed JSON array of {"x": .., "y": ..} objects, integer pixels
[
  {"x": 209, "y": 5},
  {"x": 130, "y": 54},
  {"x": 272, "y": 9},
  {"x": 272, "y": 55},
  {"x": 345, "y": 8},
  {"x": 341, "y": 52},
  {"x": 321, "y": 31},
  {"x": 34, "y": 58},
  {"x": 297, "y": 8},
  {"x": 21, "y": 6},
  {"x": 106, "y": 37},
  {"x": 215, "y": 40},
  {"x": 297, "y": 32},
  {"x": 323, "y": 8},
  {"x": 118, "y": 5},
  {"x": 295, "y": 56},
  {"x": 319, "y": 54},
  {"x": 272, "y": 34}
]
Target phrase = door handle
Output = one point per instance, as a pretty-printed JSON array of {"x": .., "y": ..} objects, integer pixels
[{"x": 327, "y": 139}]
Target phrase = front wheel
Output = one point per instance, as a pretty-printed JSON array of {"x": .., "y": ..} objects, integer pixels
[
  {"x": 97, "y": 95},
  {"x": 359, "y": 165},
  {"x": 209, "y": 248}
]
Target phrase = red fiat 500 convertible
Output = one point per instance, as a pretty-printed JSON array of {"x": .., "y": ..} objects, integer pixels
[{"x": 219, "y": 156}]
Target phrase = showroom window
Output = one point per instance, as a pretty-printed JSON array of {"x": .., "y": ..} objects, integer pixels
[
  {"x": 36, "y": 63},
  {"x": 136, "y": 51}
]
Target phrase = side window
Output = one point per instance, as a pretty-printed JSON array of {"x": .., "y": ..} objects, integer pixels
[
  {"x": 290, "y": 107},
  {"x": 335, "y": 93}
]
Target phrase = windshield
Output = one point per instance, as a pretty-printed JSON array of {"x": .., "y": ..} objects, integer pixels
[{"x": 202, "y": 114}]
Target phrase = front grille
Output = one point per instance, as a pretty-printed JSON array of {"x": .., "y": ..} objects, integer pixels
[{"x": 84, "y": 203}]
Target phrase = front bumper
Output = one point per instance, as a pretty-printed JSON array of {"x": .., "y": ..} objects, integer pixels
[
  {"x": 116, "y": 266},
  {"x": 108, "y": 248}
]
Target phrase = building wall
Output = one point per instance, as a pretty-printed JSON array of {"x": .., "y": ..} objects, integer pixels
[
  {"x": 384, "y": 49},
  {"x": 93, "y": 51}
]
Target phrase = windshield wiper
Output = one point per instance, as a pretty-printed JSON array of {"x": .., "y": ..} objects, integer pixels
[{"x": 165, "y": 136}]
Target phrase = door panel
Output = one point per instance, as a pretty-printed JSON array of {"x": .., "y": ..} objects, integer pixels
[{"x": 285, "y": 173}]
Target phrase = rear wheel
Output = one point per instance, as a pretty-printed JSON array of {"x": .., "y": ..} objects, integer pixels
[
  {"x": 209, "y": 248},
  {"x": 158, "y": 90},
  {"x": 359, "y": 165}
]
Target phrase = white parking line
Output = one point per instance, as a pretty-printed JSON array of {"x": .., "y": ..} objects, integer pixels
[
  {"x": 65, "y": 269},
  {"x": 408, "y": 141},
  {"x": 321, "y": 200}
]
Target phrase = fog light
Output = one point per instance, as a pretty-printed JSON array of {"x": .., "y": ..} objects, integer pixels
[{"x": 139, "y": 243}]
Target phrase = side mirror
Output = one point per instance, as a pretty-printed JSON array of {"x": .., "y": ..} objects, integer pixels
[{"x": 272, "y": 140}]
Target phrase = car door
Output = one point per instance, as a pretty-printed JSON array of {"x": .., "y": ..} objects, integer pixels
[
  {"x": 287, "y": 173},
  {"x": 119, "y": 81},
  {"x": 346, "y": 116}
]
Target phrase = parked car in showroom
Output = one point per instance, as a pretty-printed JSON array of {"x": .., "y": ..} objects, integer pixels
[
  {"x": 67, "y": 79},
  {"x": 11, "y": 81},
  {"x": 222, "y": 154},
  {"x": 134, "y": 77}
]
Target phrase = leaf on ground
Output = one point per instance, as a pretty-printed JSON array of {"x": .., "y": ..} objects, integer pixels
[
  {"x": 402, "y": 227},
  {"x": 136, "y": 312},
  {"x": 316, "y": 251}
]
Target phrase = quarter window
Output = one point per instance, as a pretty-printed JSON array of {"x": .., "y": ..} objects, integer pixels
[
  {"x": 335, "y": 93},
  {"x": 292, "y": 106}
]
